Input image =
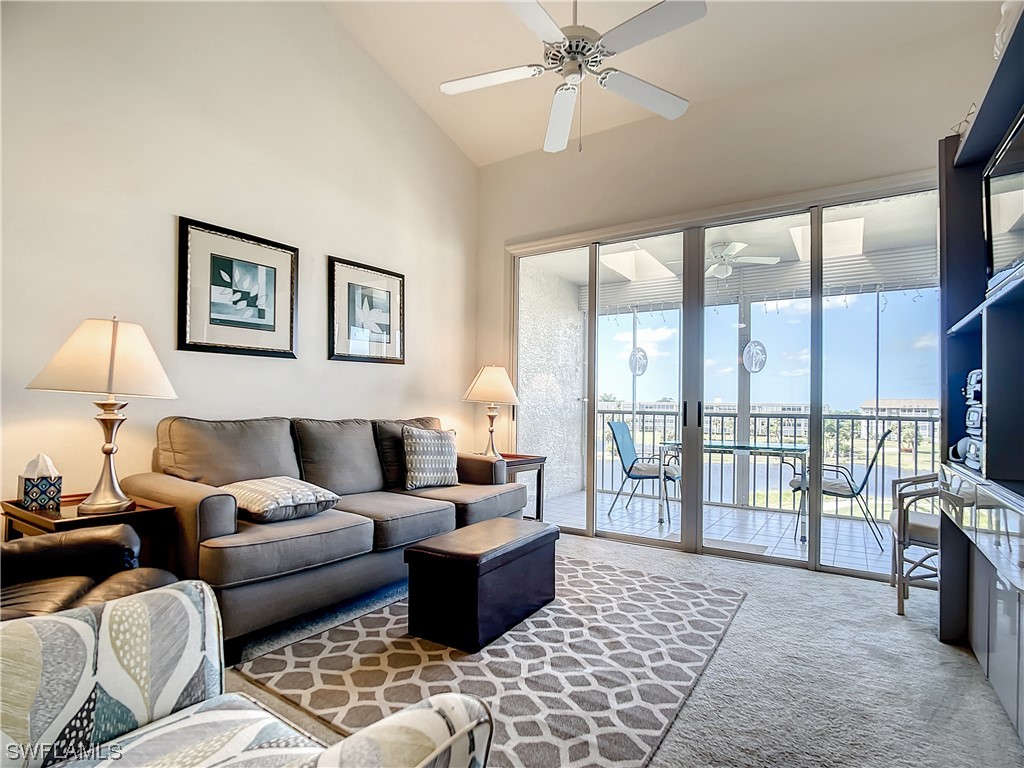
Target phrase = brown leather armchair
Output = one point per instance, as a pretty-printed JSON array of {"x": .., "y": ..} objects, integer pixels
[{"x": 55, "y": 571}]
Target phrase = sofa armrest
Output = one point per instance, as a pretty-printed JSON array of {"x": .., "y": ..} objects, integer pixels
[
  {"x": 148, "y": 655},
  {"x": 481, "y": 470},
  {"x": 94, "y": 552},
  {"x": 202, "y": 511},
  {"x": 449, "y": 729}
]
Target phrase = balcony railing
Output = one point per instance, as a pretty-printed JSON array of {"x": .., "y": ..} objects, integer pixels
[{"x": 762, "y": 482}]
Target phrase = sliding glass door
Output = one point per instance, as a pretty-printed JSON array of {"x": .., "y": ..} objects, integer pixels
[
  {"x": 639, "y": 363},
  {"x": 880, "y": 315},
  {"x": 749, "y": 388},
  {"x": 756, "y": 398}
]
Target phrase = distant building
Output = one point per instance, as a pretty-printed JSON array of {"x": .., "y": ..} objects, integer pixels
[
  {"x": 911, "y": 410},
  {"x": 906, "y": 408},
  {"x": 778, "y": 420}
]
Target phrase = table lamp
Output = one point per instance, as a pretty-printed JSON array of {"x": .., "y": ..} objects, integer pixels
[
  {"x": 104, "y": 357},
  {"x": 491, "y": 386}
]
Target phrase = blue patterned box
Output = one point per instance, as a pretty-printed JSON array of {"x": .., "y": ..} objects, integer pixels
[{"x": 36, "y": 493}]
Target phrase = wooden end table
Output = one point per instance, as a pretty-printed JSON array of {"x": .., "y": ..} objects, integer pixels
[
  {"x": 155, "y": 525},
  {"x": 524, "y": 462}
]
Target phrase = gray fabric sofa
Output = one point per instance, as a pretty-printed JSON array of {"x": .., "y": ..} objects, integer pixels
[{"x": 263, "y": 573}]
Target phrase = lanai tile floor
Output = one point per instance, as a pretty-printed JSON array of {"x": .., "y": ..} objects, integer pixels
[{"x": 846, "y": 543}]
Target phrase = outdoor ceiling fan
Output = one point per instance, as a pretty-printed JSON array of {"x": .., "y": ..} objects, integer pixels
[
  {"x": 576, "y": 51},
  {"x": 723, "y": 255}
]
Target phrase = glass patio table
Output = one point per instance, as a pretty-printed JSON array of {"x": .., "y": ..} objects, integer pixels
[{"x": 792, "y": 455}]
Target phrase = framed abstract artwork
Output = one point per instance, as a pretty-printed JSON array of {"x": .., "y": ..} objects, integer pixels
[
  {"x": 366, "y": 313},
  {"x": 236, "y": 292}
]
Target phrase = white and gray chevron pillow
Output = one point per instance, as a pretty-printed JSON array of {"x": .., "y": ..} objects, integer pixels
[
  {"x": 271, "y": 499},
  {"x": 430, "y": 458}
]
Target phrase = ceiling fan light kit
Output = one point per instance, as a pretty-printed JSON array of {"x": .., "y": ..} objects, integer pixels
[
  {"x": 722, "y": 257},
  {"x": 576, "y": 51}
]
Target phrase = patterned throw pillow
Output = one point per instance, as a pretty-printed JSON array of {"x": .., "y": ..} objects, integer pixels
[
  {"x": 430, "y": 458},
  {"x": 271, "y": 499}
]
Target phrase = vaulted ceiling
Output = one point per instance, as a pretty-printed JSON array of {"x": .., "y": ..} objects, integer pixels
[{"x": 737, "y": 46}]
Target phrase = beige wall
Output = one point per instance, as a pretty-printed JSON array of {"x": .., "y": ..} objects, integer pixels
[
  {"x": 265, "y": 118},
  {"x": 873, "y": 118}
]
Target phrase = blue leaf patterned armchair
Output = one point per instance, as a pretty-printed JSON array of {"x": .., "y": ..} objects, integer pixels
[{"x": 139, "y": 681}]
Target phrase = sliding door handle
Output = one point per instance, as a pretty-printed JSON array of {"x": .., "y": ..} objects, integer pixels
[
  {"x": 684, "y": 413},
  {"x": 700, "y": 414}
]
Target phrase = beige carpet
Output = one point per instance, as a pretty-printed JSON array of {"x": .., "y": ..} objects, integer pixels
[
  {"x": 595, "y": 678},
  {"x": 816, "y": 671}
]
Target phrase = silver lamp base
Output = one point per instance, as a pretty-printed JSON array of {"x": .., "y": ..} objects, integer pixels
[
  {"x": 107, "y": 497},
  {"x": 490, "y": 450}
]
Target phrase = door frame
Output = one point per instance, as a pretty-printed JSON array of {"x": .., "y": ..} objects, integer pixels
[{"x": 692, "y": 227}]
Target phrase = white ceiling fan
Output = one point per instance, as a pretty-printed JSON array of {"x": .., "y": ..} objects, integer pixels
[
  {"x": 721, "y": 257},
  {"x": 576, "y": 51}
]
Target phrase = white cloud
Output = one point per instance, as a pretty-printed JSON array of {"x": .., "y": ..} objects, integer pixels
[
  {"x": 803, "y": 356},
  {"x": 653, "y": 335},
  {"x": 791, "y": 306},
  {"x": 927, "y": 341},
  {"x": 795, "y": 372},
  {"x": 648, "y": 338},
  {"x": 709, "y": 363},
  {"x": 725, "y": 371}
]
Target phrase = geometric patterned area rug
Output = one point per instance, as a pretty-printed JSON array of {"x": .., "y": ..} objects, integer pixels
[{"x": 594, "y": 678}]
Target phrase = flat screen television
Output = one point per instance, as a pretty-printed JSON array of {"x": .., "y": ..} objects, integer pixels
[{"x": 1004, "y": 206}]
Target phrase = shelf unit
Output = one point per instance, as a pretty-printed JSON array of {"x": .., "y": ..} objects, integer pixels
[
  {"x": 991, "y": 337},
  {"x": 981, "y": 539}
]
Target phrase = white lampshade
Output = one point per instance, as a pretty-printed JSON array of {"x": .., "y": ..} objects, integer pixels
[
  {"x": 491, "y": 385},
  {"x": 106, "y": 357}
]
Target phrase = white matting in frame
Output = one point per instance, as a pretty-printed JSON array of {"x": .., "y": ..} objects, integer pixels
[
  {"x": 236, "y": 292},
  {"x": 366, "y": 313}
]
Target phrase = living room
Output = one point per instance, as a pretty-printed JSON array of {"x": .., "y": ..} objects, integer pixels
[{"x": 319, "y": 128}]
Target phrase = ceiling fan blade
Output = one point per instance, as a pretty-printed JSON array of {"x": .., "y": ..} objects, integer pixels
[
  {"x": 654, "y": 22},
  {"x": 659, "y": 101},
  {"x": 710, "y": 270},
  {"x": 487, "y": 79},
  {"x": 560, "y": 123},
  {"x": 533, "y": 15},
  {"x": 757, "y": 260},
  {"x": 733, "y": 248}
]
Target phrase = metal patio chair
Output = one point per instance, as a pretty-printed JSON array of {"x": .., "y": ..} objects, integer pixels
[
  {"x": 638, "y": 468},
  {"x": 844, "y": 486},
  {"x": 913, "y": 528}
]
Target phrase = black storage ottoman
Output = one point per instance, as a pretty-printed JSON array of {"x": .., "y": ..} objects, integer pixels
[{"x": 470, "y": 586}]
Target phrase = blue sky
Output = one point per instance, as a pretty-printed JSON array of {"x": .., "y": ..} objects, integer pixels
[{"x": 908, "y": 350}]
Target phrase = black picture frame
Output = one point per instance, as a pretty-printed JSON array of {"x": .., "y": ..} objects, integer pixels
[
  {"x": 251, "y": 276},
  {"x": 365, "y": 313}
]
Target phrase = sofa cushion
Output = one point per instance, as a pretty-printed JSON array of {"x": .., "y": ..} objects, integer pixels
[
  {"x": 399, "y": 519},
  {"x": 221, "y": 452},
  {"x": 272, "y": 499},
  {"x": 474, "y": 503},
  {"x": 430, "y": 457},
  {"x": 43, "y": 596},
  {"x": 338, "y": 455},
  {"x": 260, "y": 552},
  {"x": 388, "y": 435}
]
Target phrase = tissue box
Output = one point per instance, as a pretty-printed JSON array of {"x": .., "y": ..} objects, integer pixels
[{"x": 36, "y": 493}]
